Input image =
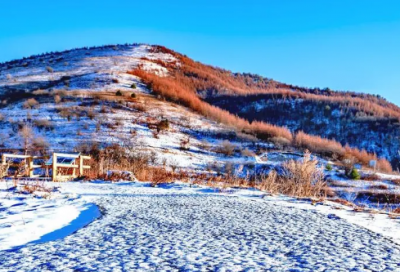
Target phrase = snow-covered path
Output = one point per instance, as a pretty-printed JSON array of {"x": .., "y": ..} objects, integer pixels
[{"x": 147, "y": 229}]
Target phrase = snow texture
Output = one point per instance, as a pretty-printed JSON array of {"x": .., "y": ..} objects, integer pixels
[{"x": 177, "y": 228}]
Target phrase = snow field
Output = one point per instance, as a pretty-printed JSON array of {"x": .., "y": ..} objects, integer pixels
[{"x": 178, "y": 228}]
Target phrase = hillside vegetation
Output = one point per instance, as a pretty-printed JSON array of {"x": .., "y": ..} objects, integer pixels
[{"x": 193, "y": 84}]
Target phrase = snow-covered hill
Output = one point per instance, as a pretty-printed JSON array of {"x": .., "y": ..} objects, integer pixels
[
  {"x": 84, "y": 98},
  {"x": 89, "y": 111}
]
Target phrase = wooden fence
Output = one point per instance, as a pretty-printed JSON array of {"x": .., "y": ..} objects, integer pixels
[{"x": 63, "y": 166}]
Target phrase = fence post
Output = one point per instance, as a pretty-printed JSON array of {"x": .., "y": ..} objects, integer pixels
[
  {"x": 54, "y": 174},
  {"x": 30, "y": 166},
  {"x": 80, "y": 165}
]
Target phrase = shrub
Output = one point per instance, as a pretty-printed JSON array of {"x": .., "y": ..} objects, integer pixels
[
  {"x": 384, "y": 166},
  {"x": 133, "y": 86},
  {"x": 115, "y": 80},
  {"x": 40, "y": 92},
  {"x": 329, "y": 167},
  {"x": 61, "y": 93},
  {"x": 40, "y": 144},
  {"x": 91, "y": 114},
  {"x": 43, "y": 124},
  {"x": 30, "y": 103},
  {"x": 118, "y": 93},
  {"x": 354, "y": 174},
  {"x": 163, "y": 125},
  {"x": 226, "y": 148},
  {"x": 185, "y": 143},
  {"x": 247, "y": 153},
  {"x": 66, "y": 113},
  {"x": 57, "y": 99},
  {"x": 302, "y": 178},
  {"x": 26, "y": 135},
  {"x": 133, "y": 95},
  {"x": 49, "y": 69}
]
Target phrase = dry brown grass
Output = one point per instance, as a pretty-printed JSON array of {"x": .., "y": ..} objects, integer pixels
[
  {"x": 318, "y": 145},
  {"x": 206, "y": 77},
  {"x": 31, "y": 103},
  {"x": 184, "y": 89},
  {"x": 301, "y": 178},
  {"x": 30, "y": 187},
  {"x": 180, "y": 91}
]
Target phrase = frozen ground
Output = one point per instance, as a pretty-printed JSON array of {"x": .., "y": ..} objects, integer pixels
[{"x": 177, "y": 228}]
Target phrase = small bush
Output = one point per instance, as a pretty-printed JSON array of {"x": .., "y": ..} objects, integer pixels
[
  {"x": 354, "y": 174},
  {"x": 31, "y": 103},
  {"x": 329, "y": 167},
  {"x": 133, "y": 86},
  {"x": 57, "y": 99},
  {"x": 133, "y": 95},
  {"x": 115, "y": 80},
  {"x": 91, "y": 114},
  {"x": 371, "y": 177},
  {"x": 247, "y": 153},
  {"x": 43, "y": 124},
  {"x": 163, "y": 125},
  {"x": 184, "y": 143},
  {"x": 300, "y": 178},
  {"x": 118, "y": 93},
  {"x": 49, "y": 69},
  {"x": 40, "y": 92},
  {"x": 66, "y": 113},
  {"x": 226, "y": 148},
  {"x": 40, "y": 144}
]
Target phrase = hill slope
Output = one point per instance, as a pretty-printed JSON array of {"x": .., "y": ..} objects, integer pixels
[{"x": 81, "y": 85}]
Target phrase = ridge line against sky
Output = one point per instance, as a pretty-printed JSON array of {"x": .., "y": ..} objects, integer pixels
[{"x": 343, "y": 45}]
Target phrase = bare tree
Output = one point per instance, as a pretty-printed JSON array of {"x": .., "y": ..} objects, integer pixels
[{"x": 26, "y": 134}]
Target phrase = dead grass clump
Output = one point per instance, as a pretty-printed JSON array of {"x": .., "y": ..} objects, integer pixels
[
  {"x": 226, "y": 148},
  {"x": 43, "y": 124},
  {"x": 163, "y": 125},
  {"x": 57, "y": 99},
  {"x": 138, "y": 106},
  {"x": 66, "y": 113},
  {"x": 384, "y": 166},
  {"x": 31, "y": 103},
  {"x": 33, "y": 187},
  {"x": 378, "y": 187},
  {"x": 40, "y": 144},
  {"x": 184, "y": 143},
  {"x": 62, "y": 93},
  {"x": 247, "y": 153},
  {"x": 40, "y": 92},
  {"x": 301, "y": 178},
  {"x": 371, "y": 177}
]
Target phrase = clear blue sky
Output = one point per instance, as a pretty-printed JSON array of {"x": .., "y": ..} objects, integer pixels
[{"x": 341, "y": 44}]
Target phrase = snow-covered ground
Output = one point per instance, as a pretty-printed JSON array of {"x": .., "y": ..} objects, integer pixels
[{"x": 178, "y": 227}]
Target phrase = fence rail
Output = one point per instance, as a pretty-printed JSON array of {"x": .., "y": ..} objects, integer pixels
[{"x": 63, "y": 166}]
